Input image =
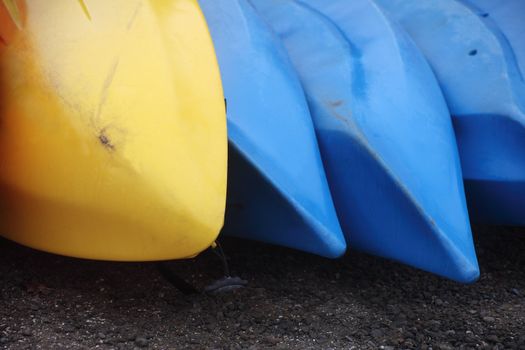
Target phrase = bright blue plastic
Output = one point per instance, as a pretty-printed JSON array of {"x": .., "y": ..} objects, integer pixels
[
  {"x": 477, "y": 51},
  {"x": 385, "y": 134},
  {"x": 509, "y": 17},
  {"x": 277, "y": 189}
]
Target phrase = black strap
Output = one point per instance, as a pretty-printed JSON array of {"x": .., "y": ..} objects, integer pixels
[{"x": 176, "y": 281}]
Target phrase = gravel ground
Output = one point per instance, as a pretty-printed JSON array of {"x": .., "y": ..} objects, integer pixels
[{"x": 293, "y": 301}]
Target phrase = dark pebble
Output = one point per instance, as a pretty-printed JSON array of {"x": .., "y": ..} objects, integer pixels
[
  {"x": 516, "y": 292},
  {"x": 141, "y": 342},
  {"x": 68, "y": 328},
  {"x": 376, "y": 333},
  {"x": 493, "y": 338},
  {"x": 26, "y": 332},
  {"x": 271, "y": 340}
]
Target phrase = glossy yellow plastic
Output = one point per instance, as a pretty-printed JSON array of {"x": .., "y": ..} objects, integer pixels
[{"x": 112, "y": 130}]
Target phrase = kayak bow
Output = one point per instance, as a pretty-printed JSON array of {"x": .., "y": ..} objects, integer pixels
[
  {"x": 277, "y": 190},
  {"x": 113, "y": 138}
]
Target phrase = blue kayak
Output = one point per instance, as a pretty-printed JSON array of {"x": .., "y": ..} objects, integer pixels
[
  {"x": 477, "y": 51},
  {"x": 277, "y": 188},
  {"x": 385, "y": 134}
]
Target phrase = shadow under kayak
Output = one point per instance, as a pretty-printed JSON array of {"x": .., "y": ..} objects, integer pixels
[
  {"x": 475, "y": 53},
  {"x": 386, "y": 138},
  {"x": 277, "y": 189}
]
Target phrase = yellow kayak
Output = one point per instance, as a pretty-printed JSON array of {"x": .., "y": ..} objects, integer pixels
[{"x": 112, "y": 129}]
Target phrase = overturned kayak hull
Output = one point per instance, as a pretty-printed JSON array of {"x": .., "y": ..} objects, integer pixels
[
  {"x": 113, "y": 142},
  {"x": 477, "y": 54},
  {"x": 501, "y": 199},
  {"x": 277, "y": 189},
  {"x": 398, "y": 192}
]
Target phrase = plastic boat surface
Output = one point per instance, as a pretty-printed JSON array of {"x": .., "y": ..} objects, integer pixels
[
  {"x": 477, "y": 51},
  {"x": 113, "y": 143},
  {"x": 385, "y": 134},
  {"x": 277, "y": 189}
]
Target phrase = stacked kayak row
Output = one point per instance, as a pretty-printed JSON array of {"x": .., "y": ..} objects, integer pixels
[
  {"x": 113, "y": 134},
  {"x": 381, "y": 118},
  {"x": 477, "y": 51}
]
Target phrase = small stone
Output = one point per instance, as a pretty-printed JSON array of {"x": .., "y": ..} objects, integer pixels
[
  {"x": 271, "y": 340},
  {"x": 141, "y": 342},
  {"x": 489, "y": 319},
  {"x": 515, "y": 291},
  {"x": 129, "y": 336},
  {"x": 444, "y": 346},
  {"x": 493, "y": 338},
  {"x": 26, "y": 332},
  {"x": 439, "y": 302},
  {"x": 409, "y": 343},
  {"x": 434, "y": 323},
  {"x": 68, "y": 328},
  {"x": 376, "y": 333}
]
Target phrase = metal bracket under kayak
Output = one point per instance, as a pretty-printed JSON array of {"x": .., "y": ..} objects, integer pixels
[{"x": 224, "y": 284}]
